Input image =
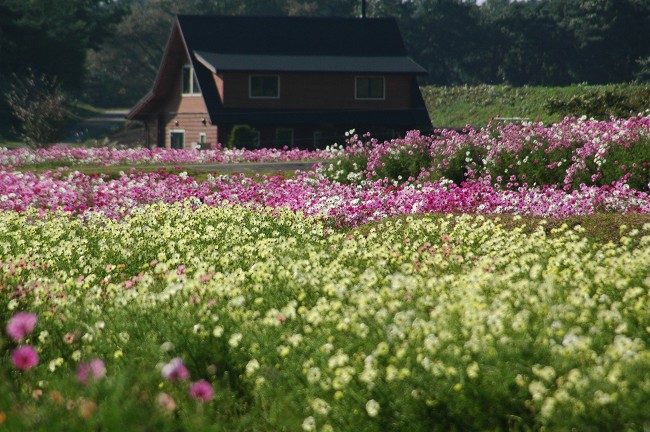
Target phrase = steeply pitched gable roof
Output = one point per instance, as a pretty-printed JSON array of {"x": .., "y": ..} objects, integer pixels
[
  {"x": 297, "y": 44},
  {"x": 293, "y": 36}
]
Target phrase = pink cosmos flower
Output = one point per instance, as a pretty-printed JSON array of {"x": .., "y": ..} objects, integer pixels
[
  {"x": 93, "y": 369},
  {"x": 201, "y": 390},
  {"x": 24, "y": 357},
  {"x": 20, "y": 325},
  {"x": 175, "y": 370}
]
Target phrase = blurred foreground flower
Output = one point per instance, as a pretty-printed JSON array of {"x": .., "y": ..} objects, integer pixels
[
  {"x": 201, "y": 390},
  {"x": 87, "y": 408},
  {"x": 24, "y": 357},
  {"x": 20, "y": 325},
  {"x": 175, "y": 370},
  {"x": 93, "y": 369},
  {"x": 166, "y": 401},
  {"x": 372, "y": 407}
]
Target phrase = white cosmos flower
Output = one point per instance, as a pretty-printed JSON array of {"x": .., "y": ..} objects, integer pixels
[
  {"x": 252, "y": 366},
  {"x": 372, "y": 408},
  {"x": 309, "y": 424}
]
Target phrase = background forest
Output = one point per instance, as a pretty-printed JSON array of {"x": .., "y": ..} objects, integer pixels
[{"x": 107, "y": 52}]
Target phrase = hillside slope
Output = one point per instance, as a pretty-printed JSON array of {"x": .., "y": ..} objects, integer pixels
[{"x": 456, "y": 107}]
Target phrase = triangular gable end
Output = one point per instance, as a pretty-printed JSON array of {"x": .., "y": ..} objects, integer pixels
[{"x": 175, "y": 48}]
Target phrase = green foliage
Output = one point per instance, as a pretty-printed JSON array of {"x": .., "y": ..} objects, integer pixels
[
  {"x": 404, "y": 163},
  {"x": 444, "y": 36},
  {"x": 53, "y": 36},
  {"x": 465, "y": 163},
  {"x": 243, "y": 136},
  {"x": 504, "y": 155},
  {"x": 602, "y": 102},
  {"x": 113, "y": 48},
  {"x": 633, "y": 161},
  {"x": 531, "y": 165},
  {"x": 39, "y": 103},
  {"x": 119, "y": 71},
  {"x": 347, "y": 168},
  {"x": 456, "y": 107},
  {"x": 643, "y": 74},
  {"x": 50, "y": 37}
]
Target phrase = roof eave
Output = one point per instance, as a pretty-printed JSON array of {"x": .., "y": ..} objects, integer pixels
[
  {"x": 279, "y": 64},
  {"x": 135, "y": 112}
]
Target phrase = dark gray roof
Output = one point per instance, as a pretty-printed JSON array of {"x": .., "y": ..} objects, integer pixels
[
  {"x": 287, "y": 63},
  {"x": 294, "y": 36}
]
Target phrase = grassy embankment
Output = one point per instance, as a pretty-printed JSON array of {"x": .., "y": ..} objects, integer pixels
[{"x": 456, "y": 107}]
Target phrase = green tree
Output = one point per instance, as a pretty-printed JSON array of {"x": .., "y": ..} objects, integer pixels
[
  {"x": 609, "y": 36},
  {"x": 53, "y": 37},
  {"x": 124, "y": 66},
  {"x": 444, "y": 35},
  {"x": 39, "y": 103},
  {"x": 49, "y": 37},
  {"x": 642, "y": 75},
  {"x": 526, "y": 46}
]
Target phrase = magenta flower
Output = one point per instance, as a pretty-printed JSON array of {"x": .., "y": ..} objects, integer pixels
[
  {"x": 584, "y": 177},
  {"x": 93, "y": 369},
  {"x": 20, "y": 325},
  {"x": 175, "y": 370},
  {"x": 201, "y": 390},
  {"x": 24, "y": 357}
]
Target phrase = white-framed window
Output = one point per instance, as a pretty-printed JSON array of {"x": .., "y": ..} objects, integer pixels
[
  {"x": 190, "y": 86},
  {"x": 264, "y": 87},
  {"x": 284, "y": 137},
  {"x": 370, "y": 88},
  {"x": 177, "y": 139},
  {"x": 202, "y": 138}
]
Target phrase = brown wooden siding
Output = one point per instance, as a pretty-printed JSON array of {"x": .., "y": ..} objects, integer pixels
[{"x": 316, "y": 91}]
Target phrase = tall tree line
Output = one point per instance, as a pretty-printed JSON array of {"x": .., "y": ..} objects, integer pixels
[
  {"x": 108, "y": 51},
  {"x": 49, "y": 40}
]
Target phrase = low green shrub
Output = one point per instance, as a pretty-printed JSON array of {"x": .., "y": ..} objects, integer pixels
[{"x": 243, "y": 136}]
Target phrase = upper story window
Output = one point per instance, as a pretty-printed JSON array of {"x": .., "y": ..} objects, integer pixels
[
  {"x": 369, "y": 87},
  {"x": 190, "y": 84},
  {"x": 264, "y": 87}
]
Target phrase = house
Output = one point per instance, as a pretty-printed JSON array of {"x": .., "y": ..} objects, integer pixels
[{"x": 294, "y": 81}]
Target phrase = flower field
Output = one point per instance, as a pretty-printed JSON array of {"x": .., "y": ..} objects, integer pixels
[
  {"x": 367, "y": 295},
  {"x": 103, "y": 156},
  {"x": 576, "y": 167}
]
